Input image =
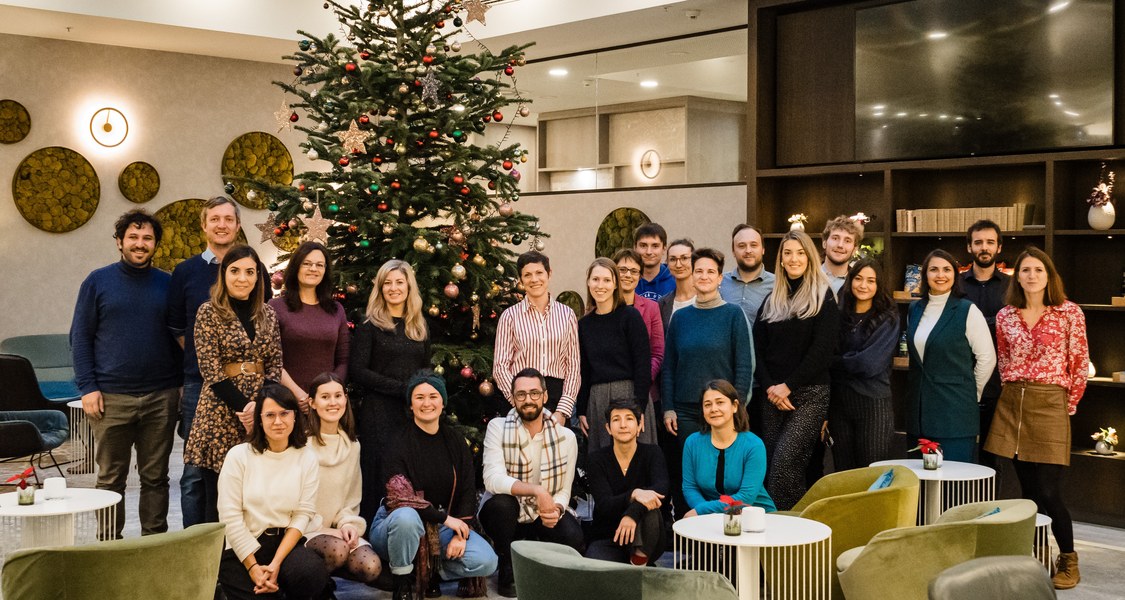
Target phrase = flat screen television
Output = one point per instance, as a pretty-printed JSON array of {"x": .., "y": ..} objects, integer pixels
[{"x": 944, "y": 78}]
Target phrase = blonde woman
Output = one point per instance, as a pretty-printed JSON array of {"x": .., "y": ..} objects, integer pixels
[
  {"x": 795, "y": 338},
  {"x": 391, "y": 344}
]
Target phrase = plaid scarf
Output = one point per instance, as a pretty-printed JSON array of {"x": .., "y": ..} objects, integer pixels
[{"x": 552, "y": 462}]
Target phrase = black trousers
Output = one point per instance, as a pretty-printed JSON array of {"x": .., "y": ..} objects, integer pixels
[
  {"x": 302, "y": 576},
  {"x": 649, "y": 538},
  {"x": 500, "y": 519}
]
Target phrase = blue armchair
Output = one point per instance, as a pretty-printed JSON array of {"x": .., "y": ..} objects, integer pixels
[{"x": 32, "y": 434}]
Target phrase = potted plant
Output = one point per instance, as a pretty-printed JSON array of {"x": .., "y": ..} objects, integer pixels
[
  {"x": 931, "y": 454},
  {"x": 25, "y": 494},
  {"x": 732, "y": 515},
  {"x": 1102, "y": 215},
  {"x": 797, "y": 222},
  {"x": 1105, "y": 440}
]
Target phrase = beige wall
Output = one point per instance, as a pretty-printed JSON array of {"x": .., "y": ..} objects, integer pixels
[{"x": 183, "y": 110}]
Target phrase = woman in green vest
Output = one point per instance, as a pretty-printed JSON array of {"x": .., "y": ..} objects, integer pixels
[{"x": 951, "y": 358}]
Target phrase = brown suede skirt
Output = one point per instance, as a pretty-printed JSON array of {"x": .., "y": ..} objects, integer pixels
[{"x": 1031, "y": 423}]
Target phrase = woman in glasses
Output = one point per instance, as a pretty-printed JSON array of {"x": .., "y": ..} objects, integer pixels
[
  {"x": 314, "y": 329},
  {"x": 267, "y": 497}
]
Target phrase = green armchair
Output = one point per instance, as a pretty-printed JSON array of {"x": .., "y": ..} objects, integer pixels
[
  {"x": 900, "y": 563},
  {"x": 182, "y": 565},
  {"x": 842, "y": 501},
  {"x": 546, "y": 571}
]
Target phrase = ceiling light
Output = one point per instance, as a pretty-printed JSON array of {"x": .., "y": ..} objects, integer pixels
[
  {"x": 878, "y": 114},
  {"x": 1056, "y": 7},
  {"x": 649, "y": 83},
  {"x": 1053, "y": 96},
  {"x": 878, "y": 107},
  {"x": 1058, "y": 102},
  {"x": 900, "y": 114},
  {"x": 937, "y": 35},
  {"x": 1070, "y": 113},
  {"x": 558, "y": 72}
]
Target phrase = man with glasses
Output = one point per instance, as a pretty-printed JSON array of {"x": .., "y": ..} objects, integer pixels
[
  {"x": 529, "y": 466},
  {"x": 125, "y": 365},
  {"x": 748, "y": 283}
]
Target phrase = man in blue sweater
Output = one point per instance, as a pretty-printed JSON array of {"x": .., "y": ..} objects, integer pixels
[
  {"x": 650, "y": 240},
  {"x": 125, "y": 365},
  {"x": 190, "y": 288}
]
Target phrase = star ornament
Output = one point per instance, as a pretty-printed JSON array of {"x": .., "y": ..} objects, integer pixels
[
  {"x": 282, "y": 117},
  {"x": 430, "y": 85},
  {"x": 476, "y": 10},
  {"x": 267, "y": 228},
  {"x": 353, "y": 139},
  {"x": 316, "y": 227}
]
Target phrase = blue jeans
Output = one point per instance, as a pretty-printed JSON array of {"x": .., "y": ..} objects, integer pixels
[
  {"x": 396, "y": 536},
  {"x": 192, "y": 502}
]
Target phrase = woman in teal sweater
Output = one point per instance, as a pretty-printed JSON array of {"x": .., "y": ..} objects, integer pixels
[{"x": 724, "y": 458}]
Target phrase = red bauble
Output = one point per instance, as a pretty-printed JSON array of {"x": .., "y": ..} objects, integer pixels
[
  {"x": 350, "y": 67},
  {"x": 509, "y": 70},
  {"x": 293, "y": 118},
  {"x": 365, "y": 55},
  {"x": 277, "y": 279},
  {"x": 278, "y": 231},
  {"x": 390, "y": 142},
  {"x": 352, "y": 229},
  {"x": 364, "y": 119},
  {"x": 467, "y": 372},
  {"x": 395, "y": 185},
  {"x": 440, "y": 24},
  {"x": 377, "y": 159},
  {"x": 433, "y": 134},
  {"x": 451, "y": 290},
  {"x": 382, "y": 207},
  {"x": 458, "y": 180},
  {"x": 427, "y": 59},
  {"x": 344, "y": 161},
  {"x": 507, "y": 165},
  {"x": 417, "y": 83},
  {"x": 499, "y": 116},
  {"x": 465, "y": 191},
  {"x": 491, "y": 185},
  {"x": 301, "y": 187},
  {"x": 486, "y": 118}
]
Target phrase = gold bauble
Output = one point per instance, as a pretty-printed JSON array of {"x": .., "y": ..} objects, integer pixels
[
  {"x": 433, "y": 311},
  {"x": 459, "y": 271},
  {"x": 479, "y": 261},
  {"x": 388, "y": 229},
  {"x": 420, "y": 244}
]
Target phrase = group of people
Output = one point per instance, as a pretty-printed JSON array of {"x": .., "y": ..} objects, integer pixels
[{"x": 666, "y": 374}]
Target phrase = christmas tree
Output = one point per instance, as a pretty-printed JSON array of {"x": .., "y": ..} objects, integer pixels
[{"x": 395, "y": 107}]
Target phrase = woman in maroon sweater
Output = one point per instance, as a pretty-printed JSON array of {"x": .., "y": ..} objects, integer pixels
[{"x": 314, "y": 329}]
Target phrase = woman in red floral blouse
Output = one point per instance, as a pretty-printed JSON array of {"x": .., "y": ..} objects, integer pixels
[{"x": 1041, "y": 341}]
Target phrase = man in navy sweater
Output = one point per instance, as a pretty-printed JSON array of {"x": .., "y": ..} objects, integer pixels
[
  {"x": 125, "y": 365},
  {"x": 190, "y": 288}
]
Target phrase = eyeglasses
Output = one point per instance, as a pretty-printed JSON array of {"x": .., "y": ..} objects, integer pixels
[
  {"x": 311, "y": 265},
  {"x": 523, "y": 395},
  {"x": 679, "y": 259},
  {"x": 627, "y": 271},
  {"x": 284, "y": 415}
]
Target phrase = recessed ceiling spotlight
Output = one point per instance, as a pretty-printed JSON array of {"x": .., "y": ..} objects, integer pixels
[
  {"x": 937, "y": 35},
  {"x": 900, "y": 114},
  {"x": 1056, "y": 7},
  {"x": 1070, "y": 113},
  {"x": 649, "y": 83},
  {"x": 1053, "y": 96},
  {"x": 879, "y": 107},
  {"x": 558, "y": 72}
]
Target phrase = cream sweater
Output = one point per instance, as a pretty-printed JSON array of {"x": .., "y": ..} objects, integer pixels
[
  {"x": 259, "y": 491},
  {"x": 341, "y": 486}
]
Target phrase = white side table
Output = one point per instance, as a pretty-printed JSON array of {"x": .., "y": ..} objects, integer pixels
[
  {"x": 65, "y": 521},
  {"x": 81, "y": 441},
  {"x": 797, "y": 554},
  {"x": 1042, "y": 551},
  {"x": 954, "y": 484}
]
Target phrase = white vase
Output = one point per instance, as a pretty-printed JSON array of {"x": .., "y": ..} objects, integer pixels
[
  {"x": 798, "y": 226},
  {"x": 1103, "y": 448},
  {"x": 1101, "y": 217},
  {"x": 931, "y": 461}
]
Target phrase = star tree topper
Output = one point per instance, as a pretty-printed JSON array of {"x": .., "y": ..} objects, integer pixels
[
  {"x": 353, "y": 139},
  {"x": 317, "y": 227},
  {"x": 476, "y": 10}
]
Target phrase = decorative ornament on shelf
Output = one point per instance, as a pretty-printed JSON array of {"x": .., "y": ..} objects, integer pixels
[
  {"x": 25, "y": 494},
  {"x": 1102, "y": 214},
  {"x": 1106, "y": 441},
  {"x": 797, "y": 222},
  {"x": 861, "y": 218},
  {"x": 931, "y": 454},
  {"x": 732, "y": 515}
]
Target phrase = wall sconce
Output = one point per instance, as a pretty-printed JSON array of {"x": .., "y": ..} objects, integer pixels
[
  {"x": 109, "y": 127},
  {"x": 650, "y": 164}
]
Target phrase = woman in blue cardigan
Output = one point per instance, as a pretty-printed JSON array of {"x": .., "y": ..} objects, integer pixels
[
  {"x": 951, "y": 359},
  {"x": 723, "y": 457}
]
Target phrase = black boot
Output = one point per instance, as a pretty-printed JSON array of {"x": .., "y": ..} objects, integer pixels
[
  {"x": 404, "y": 587},
  {"x": 506, "y": 577},
  {"x": 433, "y": 588}
]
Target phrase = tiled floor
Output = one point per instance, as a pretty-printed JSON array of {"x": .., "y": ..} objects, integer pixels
[{"x": 1101, "y": 550}]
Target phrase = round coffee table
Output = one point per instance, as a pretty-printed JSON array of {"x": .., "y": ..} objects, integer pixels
[
  {"x": 796, "y": 554},
  {"x": 65, "y": 521},
  {"x": 81, "y": 441},
  {"x": 953, "y": 484},
  {"x": 1043, "y": 552}
]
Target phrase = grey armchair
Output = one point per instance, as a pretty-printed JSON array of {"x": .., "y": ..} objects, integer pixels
[{"x": 32, "y": 434}]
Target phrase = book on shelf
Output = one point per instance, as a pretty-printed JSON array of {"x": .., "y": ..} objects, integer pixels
[{"x": 945, "y": 220}]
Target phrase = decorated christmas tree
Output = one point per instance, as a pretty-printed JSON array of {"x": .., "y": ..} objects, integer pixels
[{"x": 395, "y": 106}]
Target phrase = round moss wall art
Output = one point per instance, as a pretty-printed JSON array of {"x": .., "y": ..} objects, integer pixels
[
  {"x": 573, "y": 300},
  {"x": 56, "y": 189},
  {"x": 139, "y": 182},
  {"x": 183, "y": 237},
  {"x": 15, "y": 123},
  {"x": 256, "y": 155},
  {"x": 616, "y": 230}
]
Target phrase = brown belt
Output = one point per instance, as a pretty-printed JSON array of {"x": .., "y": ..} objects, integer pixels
[{"x": 243, "y": 368}]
